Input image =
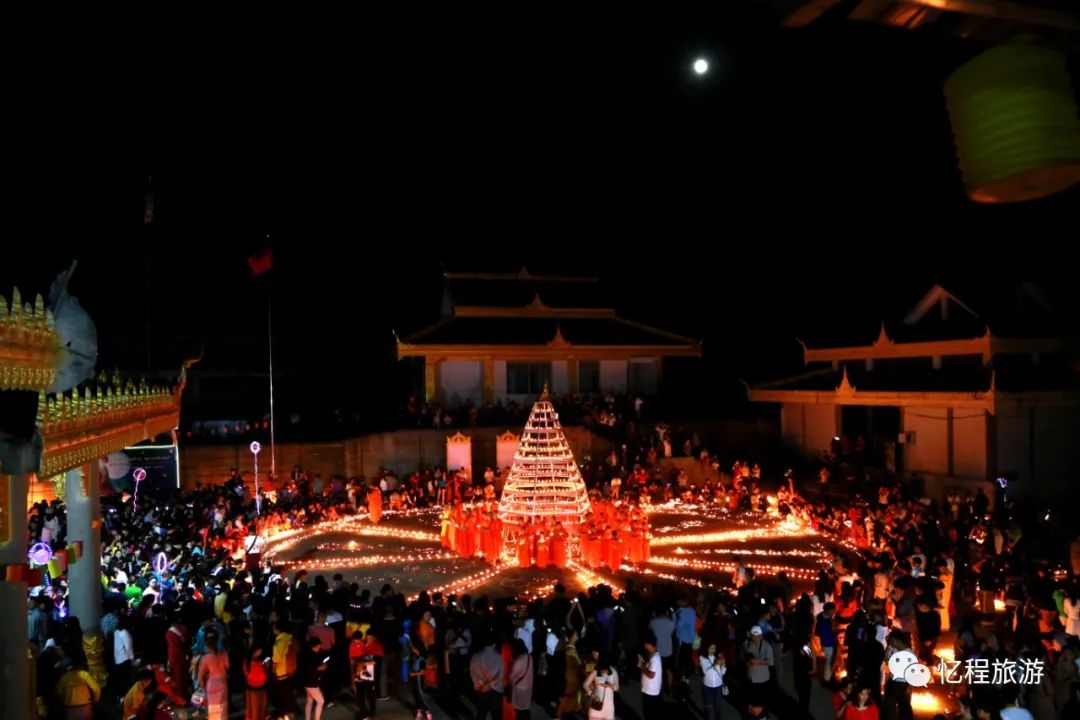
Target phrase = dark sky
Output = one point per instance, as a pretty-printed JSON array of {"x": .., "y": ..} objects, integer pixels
[{"x": 811, "y": 174}]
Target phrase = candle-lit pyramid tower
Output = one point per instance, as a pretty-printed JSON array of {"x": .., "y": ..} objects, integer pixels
[{"x": 544, "y": 480}]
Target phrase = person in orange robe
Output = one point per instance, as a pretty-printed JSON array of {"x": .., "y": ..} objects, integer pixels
[
  {"x": 634, "y": 549},
  {"x": 613, "y": 556},
  {"x": 543, "y": 549},
  {"x": 483, "y": 537},
  {"x": 477, "y": 532},
  {"x": 524, "y": 547},
  {"x": 469, "y": 535},
  {"x": 444, "y": 529},
  {"x": 374, "y": 504},
  {"x": 596, "y": 548},
  {"x": 495, "y": 530},
  {"x": 558, "y": 547},
  {"x": 452, "y": 534}
]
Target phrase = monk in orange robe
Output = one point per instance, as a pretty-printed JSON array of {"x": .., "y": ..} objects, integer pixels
[
  {"x": 611, "y": 552},
  {"x": 452, "y": 534},
  {"x": 558, "y": 547},
  {"x": 495, "y": 530},
  {"x": 524, "y": 548},
  {"x": 543, "y": 549},
  {"x": 634, "y": 549},
  {"x": 596, "y": 548},
  {"x": 374, "y": 504}
]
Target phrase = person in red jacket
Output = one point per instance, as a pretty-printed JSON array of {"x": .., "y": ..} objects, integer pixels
[
  {"x": 178, "y": 643},
  {"x": 255, "y": 677}
]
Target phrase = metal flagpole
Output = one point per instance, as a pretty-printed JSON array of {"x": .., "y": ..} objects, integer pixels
[{"x": 270, "y": 341}]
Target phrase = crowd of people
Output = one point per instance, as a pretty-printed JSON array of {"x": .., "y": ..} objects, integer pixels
[
  {"x": 609, "y": 410},
  {"x": 216, "y": 626}
]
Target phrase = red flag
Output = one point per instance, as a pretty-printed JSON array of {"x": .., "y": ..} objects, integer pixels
[{"x": 261, "y": 263}]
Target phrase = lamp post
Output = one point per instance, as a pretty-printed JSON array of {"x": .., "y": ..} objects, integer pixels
[{"x": 255, "y": 448}]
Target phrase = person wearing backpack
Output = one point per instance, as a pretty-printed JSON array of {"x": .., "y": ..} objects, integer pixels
[{"x": 283, "y": 663}]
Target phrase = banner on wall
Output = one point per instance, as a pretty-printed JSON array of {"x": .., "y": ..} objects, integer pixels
[
  {"x": 505, "y": 447},
  {"x": 459, "y": 453}
]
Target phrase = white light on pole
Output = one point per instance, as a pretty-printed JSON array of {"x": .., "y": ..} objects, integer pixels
[{"x": 255, "y": 448}]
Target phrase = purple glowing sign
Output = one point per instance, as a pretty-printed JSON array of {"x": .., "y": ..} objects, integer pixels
[{"x": 40, "y": 553}]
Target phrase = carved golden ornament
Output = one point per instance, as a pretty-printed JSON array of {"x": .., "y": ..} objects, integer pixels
[
  {"x": 458, "y": 438},
  {"x": 59, "y": 483},
  {"x": 29, "y": 344},
  {"x": 94, "y": 646}
]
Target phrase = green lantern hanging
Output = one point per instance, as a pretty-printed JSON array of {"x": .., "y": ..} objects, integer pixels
[{"x": 1015, "y": 122}]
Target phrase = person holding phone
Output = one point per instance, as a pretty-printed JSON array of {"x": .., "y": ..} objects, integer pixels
[
  {"x": 417, "y": 665},
  {"x": 652, "y": 674},
  {"x": 312, "y": 666},
  {"x": 602, "y": 684},
  {"x": 713, "y": 669}
]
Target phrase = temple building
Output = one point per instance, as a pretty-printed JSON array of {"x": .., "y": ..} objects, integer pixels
[
  {"x": 504, "y": 337},
  {"x": 56, "y": 423},
  {"x": 948, "y": 391}
]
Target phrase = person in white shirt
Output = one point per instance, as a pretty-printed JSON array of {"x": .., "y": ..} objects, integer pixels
[
  {"x": 712, "y": 669},
  {"x": 652, "y": 674},
  {"x": 152, "y": 589},
  {"x": 123, "y": 655},
  {"x": 1012, "y": 711},
  {"x": 525, "y": 633},
  {"x": 602, "y": 684}
]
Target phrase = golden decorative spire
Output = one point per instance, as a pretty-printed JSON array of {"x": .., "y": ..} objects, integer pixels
[
  {"x": 39, "y": 311},
  {"x": 544, "y": 392}
]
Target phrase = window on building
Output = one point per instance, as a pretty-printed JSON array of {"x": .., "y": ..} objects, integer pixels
[
  {"x": 589, "y": 376},
  {"x": 527, "y": 378}
]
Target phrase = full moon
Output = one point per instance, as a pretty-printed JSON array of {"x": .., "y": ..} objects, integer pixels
[{"x": 701, "y": 66}]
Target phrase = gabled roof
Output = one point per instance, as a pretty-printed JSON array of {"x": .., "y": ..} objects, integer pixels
[
  {"x": 517, "y": 289},
  {"x": 1023, "y": 310},
  {"x": 1004, "y": 375},
  {"x": 542, "y": 330},
  {"x": 529, "y": 310}
]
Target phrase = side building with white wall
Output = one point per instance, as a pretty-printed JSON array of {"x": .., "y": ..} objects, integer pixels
[{"x": 945, "y": 395}]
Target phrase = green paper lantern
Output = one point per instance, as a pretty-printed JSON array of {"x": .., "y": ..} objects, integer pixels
[{"x": 1015, "y": 123}]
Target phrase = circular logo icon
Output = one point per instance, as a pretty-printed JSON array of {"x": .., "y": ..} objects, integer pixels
[
  {"x": 899, "y": 662},
  {"x": 139, "y": 474},
  {"x": 255, "y": 447},
  {"x": 917, "y": 675}
]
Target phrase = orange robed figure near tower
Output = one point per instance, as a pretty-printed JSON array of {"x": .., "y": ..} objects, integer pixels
[
  {"x": 524, "y": 547},
  {"x": 558, "y": 547},
  {"x": 543, "y": 549},
  {"x": 374, "y": 504}
]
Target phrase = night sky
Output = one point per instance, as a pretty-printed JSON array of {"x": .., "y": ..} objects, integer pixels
[{"x": 809, "y": 178}]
